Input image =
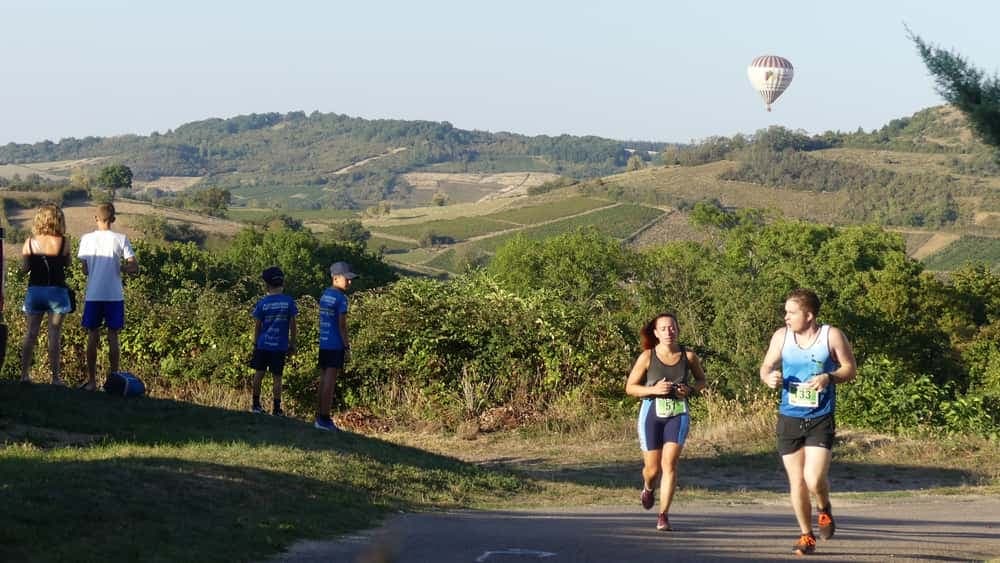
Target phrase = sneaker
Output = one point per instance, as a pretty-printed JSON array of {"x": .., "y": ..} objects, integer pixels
[
  {"x": 325, "y": 423},
  {"x": 805, "y": 545},
  {"x": 256, "y": 409},
  {"x": 826, "y": 524},
  {"x": 663, "y": 523},
  {"x": 646, "y": 498},
  {"x": 278, "y": 412}
]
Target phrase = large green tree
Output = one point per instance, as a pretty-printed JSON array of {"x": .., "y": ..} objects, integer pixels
[
  {"x": 115, "y": 177},
  {"x": 965, "y": 87}
]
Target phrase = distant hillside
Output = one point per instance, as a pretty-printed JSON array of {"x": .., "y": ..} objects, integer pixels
[{"x": 330, "y": 160}]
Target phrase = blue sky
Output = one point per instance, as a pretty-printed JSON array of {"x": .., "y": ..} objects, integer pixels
[{"x": 652, "y": 70}]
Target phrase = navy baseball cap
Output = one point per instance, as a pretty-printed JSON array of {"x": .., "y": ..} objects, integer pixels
[
  {"x": 342, "y": 269},
  {"x": 273, "y": 276}
]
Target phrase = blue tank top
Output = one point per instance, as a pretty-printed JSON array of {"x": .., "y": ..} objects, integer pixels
[{"x": 798, "y": 365}]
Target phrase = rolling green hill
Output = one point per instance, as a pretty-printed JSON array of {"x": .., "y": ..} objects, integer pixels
[
  {"x": 327, "y": 160},
  {"x": 925, "y": 176}
]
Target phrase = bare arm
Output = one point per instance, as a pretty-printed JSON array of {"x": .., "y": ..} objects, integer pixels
[
  {"x": 342, "y": 323},
  {"x": 257, "y": 325},
  {"x": 293, "y": 333},
  {"x": 843, "y": 356},
  {"x": 131, "y": 266},
  {"x": 700, "y": 382},
  {"x": 25, "y": 252},
  {"x": 770, "y": 368},
  {"x": 634, "y": 385}
]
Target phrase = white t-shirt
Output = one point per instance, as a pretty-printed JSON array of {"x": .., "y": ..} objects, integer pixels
[{"x": 104, "y": 251}]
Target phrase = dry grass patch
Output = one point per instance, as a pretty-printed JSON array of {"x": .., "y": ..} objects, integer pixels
[
  {"x": 697, "y": 183},
  {"x": 80, "y": 219},
  {"x": 169, "y": 183}
]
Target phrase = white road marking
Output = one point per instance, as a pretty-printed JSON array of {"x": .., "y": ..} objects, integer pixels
[{"x": 514, "y": 551}]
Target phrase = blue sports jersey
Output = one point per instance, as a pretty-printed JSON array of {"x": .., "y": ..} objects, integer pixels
[
  {"x": 332, "y": 304},
  {"x": 799, "y": 365},
  {"x": 274, "y": 313}
]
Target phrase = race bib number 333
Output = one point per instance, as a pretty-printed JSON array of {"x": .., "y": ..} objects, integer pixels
[{"x": 799, "y": 396}]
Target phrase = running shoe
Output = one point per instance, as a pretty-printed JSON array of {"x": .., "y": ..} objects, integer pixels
[
  {"x": 805, "y": 545},
  {"x": 826, "y": 524},
  {"x": 646, "y": 498},
  {"x": 278, "y": 412},
  {"x": 663, "y": 523},
  {"x": 325, "y": 423},
  {"x": 256, "y": 409}
]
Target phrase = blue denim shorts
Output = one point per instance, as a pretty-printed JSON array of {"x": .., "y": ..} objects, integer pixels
[{"x": 46, "y": 299}]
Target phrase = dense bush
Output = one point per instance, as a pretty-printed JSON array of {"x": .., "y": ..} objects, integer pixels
[{"x": 554, "y": 322}]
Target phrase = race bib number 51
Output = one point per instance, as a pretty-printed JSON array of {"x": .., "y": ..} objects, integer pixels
[{"x": 666, "y": 408}]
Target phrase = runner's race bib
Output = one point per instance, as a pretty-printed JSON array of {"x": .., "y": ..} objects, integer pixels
[
  {"x": 666, "y": 408},
  {"x": 799, "y": 396}
]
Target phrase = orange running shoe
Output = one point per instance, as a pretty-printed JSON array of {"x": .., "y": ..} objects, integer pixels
[
  {"x": 826, "y": 524},
  {"x": 805, "y": 545}
]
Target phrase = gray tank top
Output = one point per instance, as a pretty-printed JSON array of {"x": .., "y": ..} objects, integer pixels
[{"x": 677, "y": 373}]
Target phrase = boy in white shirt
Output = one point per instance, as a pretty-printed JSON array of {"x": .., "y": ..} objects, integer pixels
[{"x": 105, "y": 255}]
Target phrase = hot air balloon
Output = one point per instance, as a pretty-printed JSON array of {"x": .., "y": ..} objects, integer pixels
[{"x": 770, "y": 75}]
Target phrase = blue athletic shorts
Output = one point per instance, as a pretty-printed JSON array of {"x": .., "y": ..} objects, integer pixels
[
  {"x": 98, "y": 313},
  {"x": 655, "y": 431},
  {"x": 46, "y": 299}
]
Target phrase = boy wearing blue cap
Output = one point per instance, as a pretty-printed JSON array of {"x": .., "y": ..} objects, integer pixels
[
  {"x": 273, "y": 336},
  {"x": 334, "y": 345}
]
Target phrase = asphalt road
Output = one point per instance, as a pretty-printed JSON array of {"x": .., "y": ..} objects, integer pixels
[{"x": 940, "y": 528}]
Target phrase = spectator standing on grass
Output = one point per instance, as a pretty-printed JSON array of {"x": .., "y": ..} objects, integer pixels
[
  {"x": 274, "y": 337},
  {"x": 44, "y": 257},
  {"x": 807, "y": 361},
  {"x": 660, "y": 377},
  {"x": 334, "y": 344},
  {"x": 104, "y": 256}
]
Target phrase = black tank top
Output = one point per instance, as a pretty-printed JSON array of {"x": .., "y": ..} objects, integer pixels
[
  {"x": 677, "y": 373},
  {"x": 47, "y": 270}
]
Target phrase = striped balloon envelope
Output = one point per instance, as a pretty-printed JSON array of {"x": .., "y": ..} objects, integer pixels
[{"x": 770, "y": 75}]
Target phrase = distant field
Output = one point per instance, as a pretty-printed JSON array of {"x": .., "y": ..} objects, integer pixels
[
  {"x": 304, "y": 215},
  {"x": 456, "y": 229},
  {"x": 496, "y": 164},
  {"x": 673, "y": 184},
  {"x": 390, "y": 245},
  {"x": 966, "y": 249},
  {"x": 619, "y": 222},
  {"x": 168, "y": 183},
  {"x": 286, "y": 195},
  {"x": 24, "y": 170},
  {"x": 914, "y": 239},
  {"x": 533, "y": 214},
  {"x": 80, "y": 219}
]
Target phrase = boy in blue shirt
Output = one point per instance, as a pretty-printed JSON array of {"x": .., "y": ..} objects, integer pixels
[
  {"x": 275, "y": 319},
  {"x": 334, "y": 345}
]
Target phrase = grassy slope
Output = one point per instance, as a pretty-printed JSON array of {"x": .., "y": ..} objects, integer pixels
[{"x": 90, "y": 477}]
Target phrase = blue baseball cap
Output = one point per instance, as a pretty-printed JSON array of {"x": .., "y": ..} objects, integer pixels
[{"x": 342, "y": 269}]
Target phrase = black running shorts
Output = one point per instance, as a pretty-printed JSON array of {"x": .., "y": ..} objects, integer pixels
[{"x": 794, "y": 433}]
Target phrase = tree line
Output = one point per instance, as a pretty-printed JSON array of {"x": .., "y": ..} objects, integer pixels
[{"x": 551, "y": 325}]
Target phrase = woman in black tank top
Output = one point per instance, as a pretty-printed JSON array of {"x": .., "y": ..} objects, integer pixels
[
  {"x": 44, "y": 257},
  {"x": 660, "y": 377}
]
